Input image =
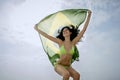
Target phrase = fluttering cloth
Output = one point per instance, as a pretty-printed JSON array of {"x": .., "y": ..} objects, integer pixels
[{"x": 54, "y": 22}]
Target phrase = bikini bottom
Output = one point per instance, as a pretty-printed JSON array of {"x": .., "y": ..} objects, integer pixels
[{"x": 65, "y": 66}]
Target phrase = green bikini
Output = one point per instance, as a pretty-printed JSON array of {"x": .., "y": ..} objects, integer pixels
[{"x": 63, "y": 51}]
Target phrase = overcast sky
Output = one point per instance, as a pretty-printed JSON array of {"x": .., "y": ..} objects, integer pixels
[{"x": 23, "y": 58}]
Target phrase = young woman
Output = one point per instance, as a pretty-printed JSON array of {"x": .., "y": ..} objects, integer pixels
[{"x": 67, "y": 39}]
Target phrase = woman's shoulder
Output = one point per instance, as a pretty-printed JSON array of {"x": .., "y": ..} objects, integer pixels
[
  {"x": 59, "y": 41},
  {"x": 73, "y": 43}
]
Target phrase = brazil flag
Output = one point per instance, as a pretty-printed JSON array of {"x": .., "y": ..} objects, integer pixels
[{"x": 52, "y": 23}]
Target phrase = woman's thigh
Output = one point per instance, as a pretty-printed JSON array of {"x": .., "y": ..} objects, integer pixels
[
  {"x": 61, "y": 70},
  {"x": 72, "y": 72}
]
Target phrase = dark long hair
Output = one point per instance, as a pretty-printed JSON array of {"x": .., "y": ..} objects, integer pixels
[{"x": 72, "y": 29}]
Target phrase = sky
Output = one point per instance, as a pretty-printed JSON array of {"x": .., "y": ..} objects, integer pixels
[{"x": 23, "y": 58}]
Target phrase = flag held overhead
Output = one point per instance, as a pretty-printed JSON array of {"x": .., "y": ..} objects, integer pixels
[{"x": 53, "y": 22}]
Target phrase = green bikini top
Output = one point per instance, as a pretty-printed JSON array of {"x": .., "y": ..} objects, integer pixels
[{"x": 63, "y": 51}]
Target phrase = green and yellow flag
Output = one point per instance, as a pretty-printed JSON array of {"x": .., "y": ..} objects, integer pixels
[{"x": 52, "y": 23}]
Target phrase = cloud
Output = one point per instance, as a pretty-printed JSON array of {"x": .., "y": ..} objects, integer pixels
[
  {"x": 65, "y": 4},
  {"x": 16, "y": 19},
  {"x": 24, "y": 61},
  {"x": 6, "y": 8},
  {"x": 102, "y": 9},
  {"x": 15, "y": 2},
  {"x": 106, "y": 4},
  {"x": 100, "y": 52}
]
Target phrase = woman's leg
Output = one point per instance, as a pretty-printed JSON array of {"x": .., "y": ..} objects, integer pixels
[
  {"x": 75, "y": 75},
  {"x": 62, "y": 71}
]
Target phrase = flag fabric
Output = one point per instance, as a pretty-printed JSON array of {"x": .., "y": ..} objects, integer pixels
[{"x": 52, "y": 23}]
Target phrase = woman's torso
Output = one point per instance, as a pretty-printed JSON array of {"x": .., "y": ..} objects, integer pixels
[{"x": 66, "y": 52}]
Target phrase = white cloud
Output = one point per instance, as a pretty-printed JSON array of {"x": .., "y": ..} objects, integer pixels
[
  {"x": 99, "y": 54},
  {"x": 20, "y": 19},
  {"x": 99, "y": 18},
  {"x": 15, "y": 2},
  {"x": 102, "y": 10}
]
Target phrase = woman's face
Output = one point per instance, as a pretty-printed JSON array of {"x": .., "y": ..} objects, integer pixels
[{"x": 66, "y": 32}]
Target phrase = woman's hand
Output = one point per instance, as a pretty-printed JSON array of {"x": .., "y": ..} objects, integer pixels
[
  {"x": 89, "y": 11},
  {"x": 45, "y": 34},
  {"x": 36, "y": 27}
]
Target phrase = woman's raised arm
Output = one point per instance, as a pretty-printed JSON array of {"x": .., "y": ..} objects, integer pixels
[
  {"x": 80, "y": 35},
  {"x": 46, "y": 35}
]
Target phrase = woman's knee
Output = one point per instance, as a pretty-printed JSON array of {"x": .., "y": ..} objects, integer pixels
[
  {"x": 76, "y": 75},
  {"x": 62, "y": 71},
  {"x": 66, "y": 75}
]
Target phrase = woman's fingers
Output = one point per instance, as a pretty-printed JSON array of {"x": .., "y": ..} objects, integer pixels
[
  {"x": 35, "y": 27},
  {"x": 89, "y": 11}
]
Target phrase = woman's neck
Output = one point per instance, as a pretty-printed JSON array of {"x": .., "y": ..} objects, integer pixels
[{"x": 67, "y": 39}]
